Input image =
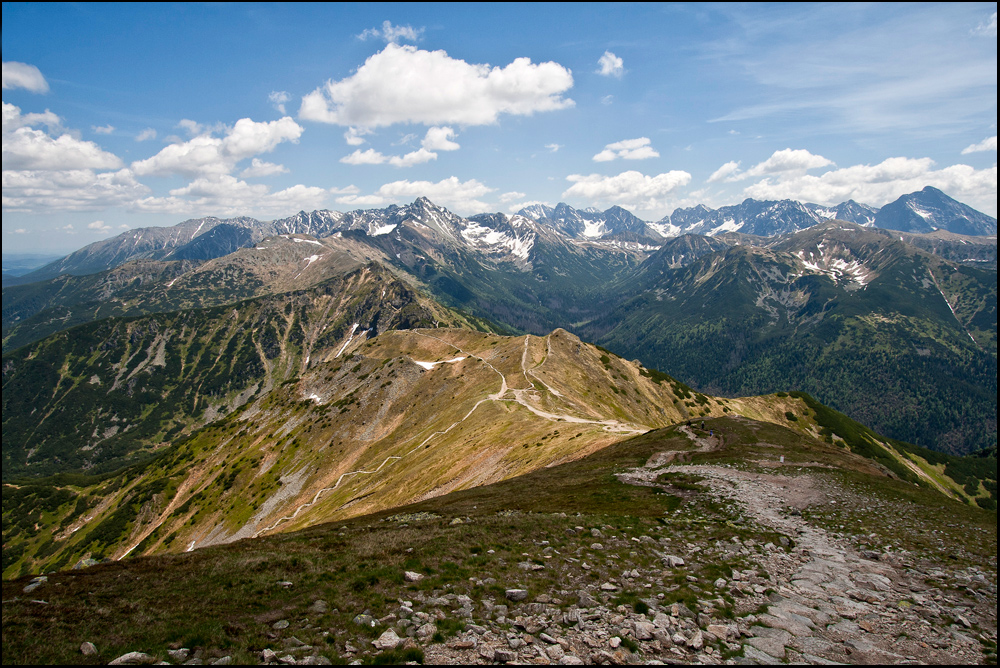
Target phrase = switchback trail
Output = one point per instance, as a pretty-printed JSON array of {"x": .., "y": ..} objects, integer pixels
[{"x": 504, "y": 394}]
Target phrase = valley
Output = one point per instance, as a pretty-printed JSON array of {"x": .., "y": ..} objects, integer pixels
[{"x": 395, "y": 416}]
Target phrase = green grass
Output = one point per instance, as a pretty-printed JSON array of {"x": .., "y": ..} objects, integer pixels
[{"x": 226, "y": 599}]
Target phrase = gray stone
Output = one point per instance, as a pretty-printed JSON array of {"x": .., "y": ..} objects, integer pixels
[
  {"x": 386, "y": 641},
  {"x": 769, "y": 645},
  {"x": 280, "y": 624},
  {"x": 681, "y": 610},
  {"x": 319, "y": 607},
  {"x": 35, "y": 584},
  {"x": 547, "y": 638},
  {"x": 571, "y": 660},
  {"x": 504, "y": 656},
  {"x": 586, "y": 600},
  {"x": 723, "y": 631},
  {"x": 780, "y": 635},
  {"x": 673, "y": 561},
  {"x": 796, "y": 628},
  {"x": 516, "y": 594},
  {"x": 223, "y": 661},
  {"x": 412, "y": 576},
  {"x": 757, "y": 656},
  {"x": 811, "y": 645},
  {"x": 644, "y": 630},
  {"x": 859, "y": 645},
  {"x": 180, "y": 655},
  {"x": 132, "y": 659},
  {"x": 267, "y": 656},
  {"x": 555, "y": 652},
  {"x": 88, "y": 649}
]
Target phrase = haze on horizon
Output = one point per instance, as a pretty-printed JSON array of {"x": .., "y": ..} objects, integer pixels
[{"x": 122, "y": 117}]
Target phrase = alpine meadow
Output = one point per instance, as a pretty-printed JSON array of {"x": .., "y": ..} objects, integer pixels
[{"x": 636, "y": 334}]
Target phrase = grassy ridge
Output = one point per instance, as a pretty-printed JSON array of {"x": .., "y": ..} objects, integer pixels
[{"x": 224, "y": 600}]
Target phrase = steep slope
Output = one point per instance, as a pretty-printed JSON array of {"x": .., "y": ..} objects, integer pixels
[
  {"x": 153, "y": 243},
  {"x": 406, "y": 416},
  {"x": 733, "y": 539},
  {"x": 761, "y": 218},
  {"x": 615, "y": 225},
  {"x": 106, "y": 392},
  {"x": 851, "y": 211},
  {"x": 929, "y": 210},
  {"x": 276, "y": 265},
  {"x": 976, "y": 251},
  {"x": 898, "y": 339}
]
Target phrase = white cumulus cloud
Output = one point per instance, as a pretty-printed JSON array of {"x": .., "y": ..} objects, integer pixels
[
  {"x": 367, "y": 157},
  {"x": 278, "y": 98},
  {"x": 146, "y": 135},
  {"x": 440, "y": 139},
  {"x": 788, "y": 160},
  {"x": 882, "y": 183},
  {"x": 459, "y": 196},
  {"x": 22, "y": 75},
  {"x": 418, "y": 157},
  {"x": 99, "y": 226},
  {"x": 988, "y": 144},
  {"x": 206, "y": 154},
  {"x": 27, "y": 148},
  {"x": 226, "y": 195},
  {"x": 785, "y": 161},
  {"x": 629, "y": 149},
  {"x": 355, "y": 136},
  {"x": 259, "y": 168},
  {"x": 629, "y": 189},
  {"x": 392, "y": 34},
  {"x": 512, "y": 196},
  {"x": 403, "y": 84},
  {"x": 68, "y": 190},
  {"x": 103, "y": 129},
  {"x": 611, "y": 65},
  {"x": 725, "y": 172}
]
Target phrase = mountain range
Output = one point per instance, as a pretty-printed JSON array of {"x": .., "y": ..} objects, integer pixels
[
  {"x": 344, "y": 420},
  {"x": 512, "y": 237},
  {"x": 734, "y": 313}
]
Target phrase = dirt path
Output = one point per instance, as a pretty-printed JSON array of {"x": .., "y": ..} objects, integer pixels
[
  {"x": 504, "y": 394},
  {"x": 827, "y": 601}
]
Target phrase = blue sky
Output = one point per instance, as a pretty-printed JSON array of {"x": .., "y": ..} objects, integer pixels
[{"x": 125, "y": 116}]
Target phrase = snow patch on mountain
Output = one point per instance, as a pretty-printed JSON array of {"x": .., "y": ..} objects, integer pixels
[{"x": 837, "y": 268}]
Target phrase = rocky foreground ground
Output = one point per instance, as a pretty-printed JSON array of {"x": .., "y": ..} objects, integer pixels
[{"x": 812, "y": 596}]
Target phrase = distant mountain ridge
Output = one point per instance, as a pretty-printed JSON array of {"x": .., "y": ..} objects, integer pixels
[{"x": 511, "y": 238}]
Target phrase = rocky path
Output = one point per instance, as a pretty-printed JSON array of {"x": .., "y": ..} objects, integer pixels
[
  {"x": 830, "y": 603},
  {"x": 777, "y": 588}
]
